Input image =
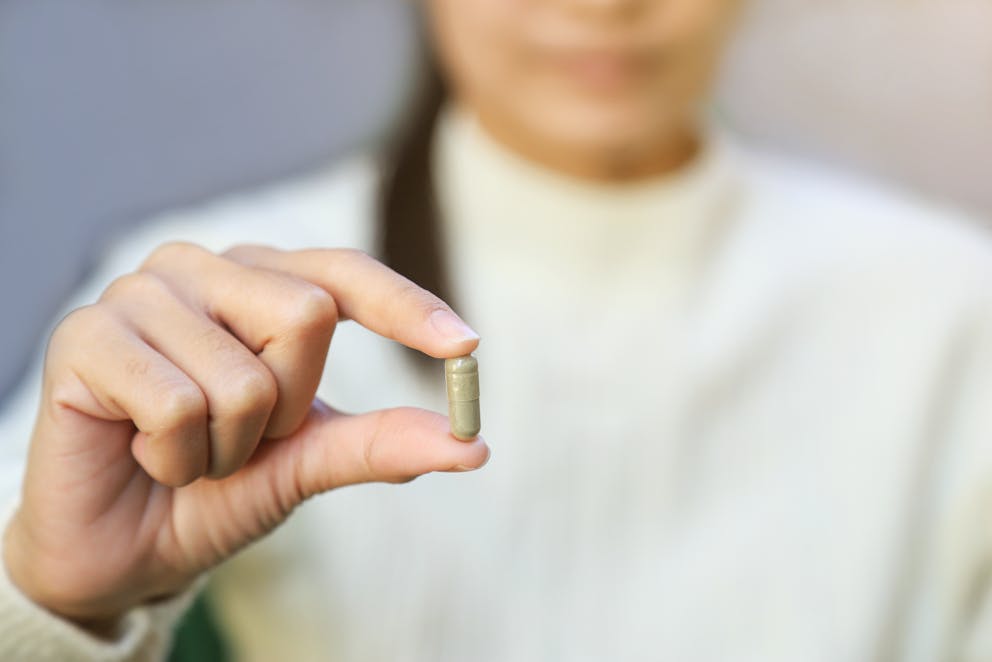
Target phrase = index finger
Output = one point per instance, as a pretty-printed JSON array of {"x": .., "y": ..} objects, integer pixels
[{"x": 373, "y": 295}]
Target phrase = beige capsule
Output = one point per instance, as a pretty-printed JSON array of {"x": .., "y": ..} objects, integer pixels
[{"x": 461, "y": 375}]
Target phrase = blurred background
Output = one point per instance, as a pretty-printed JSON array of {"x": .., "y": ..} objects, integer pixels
[{"x": 111, "y": 111}]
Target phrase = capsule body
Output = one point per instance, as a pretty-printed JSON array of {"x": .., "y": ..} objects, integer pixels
[{"x": 462, "y": 378}]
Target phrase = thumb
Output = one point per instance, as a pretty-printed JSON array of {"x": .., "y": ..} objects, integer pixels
[{"x": 332, "y": 449}]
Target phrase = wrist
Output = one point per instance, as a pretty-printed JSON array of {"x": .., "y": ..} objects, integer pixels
[{"x": 16, "y": 555}]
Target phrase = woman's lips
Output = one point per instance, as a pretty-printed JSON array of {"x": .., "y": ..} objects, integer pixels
[{"x": 604, "y": 70}]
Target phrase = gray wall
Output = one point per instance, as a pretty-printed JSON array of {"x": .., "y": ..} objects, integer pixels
[{"x": 111, "y": 110}]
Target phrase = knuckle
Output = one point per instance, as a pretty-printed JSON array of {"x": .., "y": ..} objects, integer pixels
[
  {"x": 181, "y": 406},
  {"x": 348, "y": 258},
  {"x": 352, "y": 254},
  {"x": 70, "y": 342},
  {"x": 312, "y": 308},
  {"x": 242, "y": 253},
  {"x": 82, "y": 320},
  {"x": 252, "y": 390},
  {"x": 375, "y": 462},
  {"x": 172, "y": 252},
  {"x": 134, "y": 286},
  {"x": 80, "y": 327}
]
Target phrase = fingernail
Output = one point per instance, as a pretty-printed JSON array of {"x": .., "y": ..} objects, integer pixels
[
  {"x": 452, "y": 327},
  {"x": 489, "y": 454}
]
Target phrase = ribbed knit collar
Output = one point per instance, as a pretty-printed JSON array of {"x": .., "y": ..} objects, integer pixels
[{"x": 494, "y": 198}]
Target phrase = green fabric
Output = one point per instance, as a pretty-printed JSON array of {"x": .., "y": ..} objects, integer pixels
[{"x": 198, "y": 637}]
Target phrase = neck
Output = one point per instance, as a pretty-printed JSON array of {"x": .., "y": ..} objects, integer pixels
[{"x": 609, "y": 165}]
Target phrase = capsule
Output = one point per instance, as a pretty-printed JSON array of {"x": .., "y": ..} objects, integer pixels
[{"x": 462, "y": 378}]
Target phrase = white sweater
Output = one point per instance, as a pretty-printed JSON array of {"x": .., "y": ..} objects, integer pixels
[{"x": 744, "y": 413}]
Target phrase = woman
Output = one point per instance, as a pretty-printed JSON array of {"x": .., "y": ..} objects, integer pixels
[{"x": 737, "y": 403}]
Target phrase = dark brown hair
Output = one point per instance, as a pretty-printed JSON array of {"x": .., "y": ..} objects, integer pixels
[
  {"x": 409, "y": 233},
  {"x": 409, "y": 229}
]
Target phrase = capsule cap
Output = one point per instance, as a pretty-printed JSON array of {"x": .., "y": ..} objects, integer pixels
[
  {"x": 461, "y": 365},
  {"x": 462, "y": 377}
]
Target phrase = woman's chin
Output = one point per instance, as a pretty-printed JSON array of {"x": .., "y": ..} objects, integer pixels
[{"x": 619, "y": 138}]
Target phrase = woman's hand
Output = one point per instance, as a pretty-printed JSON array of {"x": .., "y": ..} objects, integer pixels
[{"x": 145, "y": 465}]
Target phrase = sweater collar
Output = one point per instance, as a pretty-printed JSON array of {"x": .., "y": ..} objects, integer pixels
[{"x": 497, "y": 200}]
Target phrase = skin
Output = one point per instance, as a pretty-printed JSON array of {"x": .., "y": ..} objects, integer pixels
[
  {"x": 146, "y": 466},
  {"x": 178, "y": 421},
  {"x": 607, "y": 90}
]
